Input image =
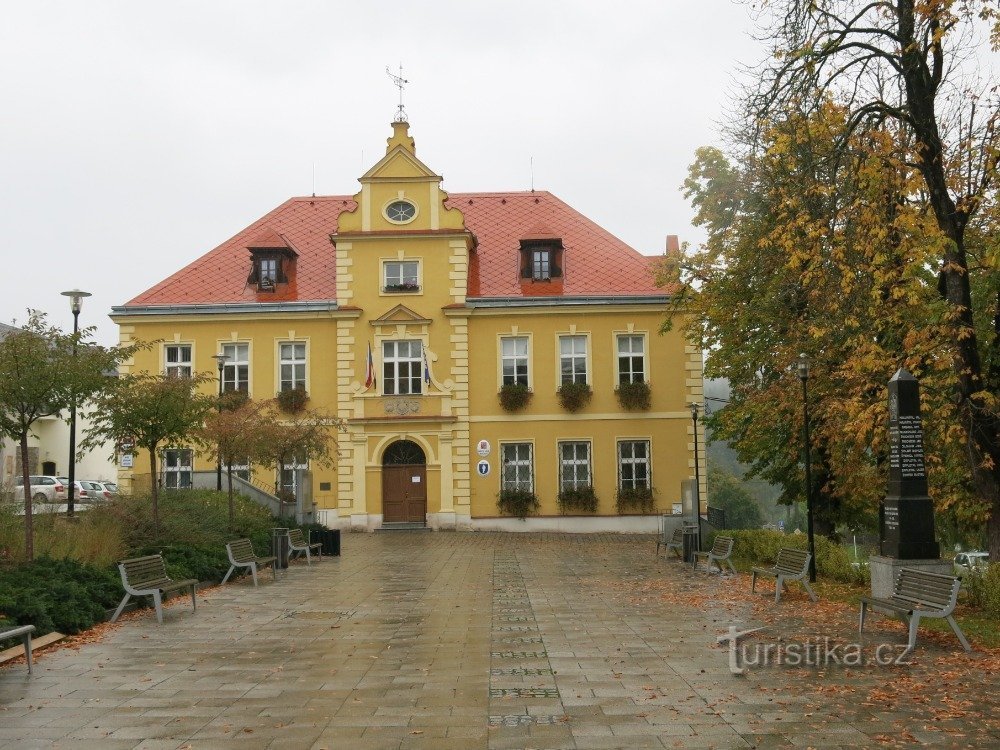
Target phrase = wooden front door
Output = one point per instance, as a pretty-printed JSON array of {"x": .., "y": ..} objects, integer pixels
[{"x": 404, "y": 493}]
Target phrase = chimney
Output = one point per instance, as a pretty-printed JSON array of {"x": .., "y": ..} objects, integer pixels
[{"x": 673, "y": 245}]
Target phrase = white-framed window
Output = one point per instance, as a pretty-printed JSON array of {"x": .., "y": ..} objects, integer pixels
[
  {"x": 517, "y": 472},
  {"x": 401, "y": 276},
  {"x": 177, "y": 359},
  {"x": 177, "y": 468},
  {"x": 631, "y": 359},
  {"x": 633, "y": 464},
  {"x": 292, "y": 363},
  {"x": 401, "y": 367},
  {"x": 236, "y": 369},
  {"x": 242, "y": 469},
  {"x": 541, "y": 264},
  {"x": 268, "y": 273},
  {"x": 514, "y": 360},
  {"x": 287, "y": 480},
  {"x": 574, "y": 465},
  {"x": 572, "y": 359}
]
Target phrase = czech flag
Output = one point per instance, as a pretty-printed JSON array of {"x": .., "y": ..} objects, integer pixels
[
  {"x": 427, "y": 369},
  {"x": 369, "y": 369}
]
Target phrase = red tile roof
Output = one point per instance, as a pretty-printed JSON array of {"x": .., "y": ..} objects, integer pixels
[{"x": 595, "y": 262}]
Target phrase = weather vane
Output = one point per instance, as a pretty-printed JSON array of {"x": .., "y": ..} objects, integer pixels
[{"x": 400, "y": 82}]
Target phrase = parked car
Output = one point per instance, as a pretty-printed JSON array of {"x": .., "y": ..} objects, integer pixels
[
  {"x": 80, "y": 493},
  {"x": 44, "y": 489},
  {"x": 111, "y": 487},
  {"x": 96, "y": 491},
  {"x": 967, "y": 561}
]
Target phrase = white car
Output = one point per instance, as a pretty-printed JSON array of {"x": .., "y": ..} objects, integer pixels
[
  {"x": 44, "y": 489},
  {"x": 968, "y": 561}
]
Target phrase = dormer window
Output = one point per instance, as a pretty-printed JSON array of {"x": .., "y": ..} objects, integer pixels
[
  {"x": 273, "y": 259},
  {"x": 541, "y": 258}
]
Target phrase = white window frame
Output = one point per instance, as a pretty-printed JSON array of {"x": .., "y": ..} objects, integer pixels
[
  {"x": 400, "y": 275},
  {"x": 541, "y": 264},
  {"x": 174, "y": 468},
  {"x": 515, "y": 357},
  {"x": 570, "y": 469},
  {"x": 179, "y": 367},
  {"x": 267, "y": 273},
  {"x": 286, "y": 479},
  {"x": 236, "y": 369},
  {"x": 293, "y": 362},
  {"x": 574, "y": 357},
  {"x": 631, "y": 460},
  {"x": 402, "y": 367},
  {"x": 630, "y": 375},
  {"x": 512, "y": 457}
]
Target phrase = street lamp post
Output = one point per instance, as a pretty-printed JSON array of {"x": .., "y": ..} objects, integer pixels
[
  {"x": 697, "y": 473},
  {"x": 221, "y": 360},
  {"x": 803, "y": 367},
  {"x": 75, "y": 304}
]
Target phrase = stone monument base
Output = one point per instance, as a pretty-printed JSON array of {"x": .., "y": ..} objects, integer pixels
[{"x": 885, "y": 570}]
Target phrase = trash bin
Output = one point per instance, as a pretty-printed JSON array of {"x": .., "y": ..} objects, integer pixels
[
  {"x": 330, "y": 539},
  {"x": 690, "y": 542},
  {"x": 279, "y": 546}
]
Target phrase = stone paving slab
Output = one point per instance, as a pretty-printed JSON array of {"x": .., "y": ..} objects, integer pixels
[{"x": 464, "y": 640}]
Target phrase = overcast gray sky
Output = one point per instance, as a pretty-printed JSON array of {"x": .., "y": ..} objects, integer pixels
[{"x": 138, "y": 136}]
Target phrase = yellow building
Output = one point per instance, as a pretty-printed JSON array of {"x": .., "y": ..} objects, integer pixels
[{"x": 459, "y": 298}]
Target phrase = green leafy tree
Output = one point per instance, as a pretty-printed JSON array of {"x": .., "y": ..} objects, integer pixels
[
  {"x": 304, "y": 435},
  {"x": 905, "y": 67},
  {"x": 235, "y": 432},
  {"x": 726, "y": 492},
  {"x": 152, "y": 411},
  {"x": 41, "y": 377}
]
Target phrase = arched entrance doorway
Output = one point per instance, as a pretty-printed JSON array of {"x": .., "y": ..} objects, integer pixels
[{"x": 404, "y": 483}]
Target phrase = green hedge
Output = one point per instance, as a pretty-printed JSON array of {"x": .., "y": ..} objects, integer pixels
[
  {"x": 62, "y": 595},
  {"x": 760, "y": 547},
  {"x": 984, "y": 588}
]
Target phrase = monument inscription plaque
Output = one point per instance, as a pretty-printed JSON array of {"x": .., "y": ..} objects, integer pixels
[{"x": 906, "y": 520}]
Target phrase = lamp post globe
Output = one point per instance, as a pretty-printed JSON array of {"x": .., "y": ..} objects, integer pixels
[
  {"x": 76, "y": 297},
  {"x": 802, "y": 365}
]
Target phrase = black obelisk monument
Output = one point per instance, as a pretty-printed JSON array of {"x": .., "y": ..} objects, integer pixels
[{"x": 906, "y": 520}]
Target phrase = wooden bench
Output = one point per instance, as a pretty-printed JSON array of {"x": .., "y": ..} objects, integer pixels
[
  {"x": 920, "y": 594},
  {"x": 297, "y": 543},
  {"x": 675, "y": 543},
  {"x": 24, "y": 633},
  {"x": 147, "y": 576},
  {"x": 721, "y": 552},
  {"x": 792, "y": 565},
  {"x": 241, "y": 555}
]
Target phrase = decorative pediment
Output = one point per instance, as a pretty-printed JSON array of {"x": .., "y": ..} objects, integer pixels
[
  {"x": 399, "y": 164},
  {"x": 400, "y": 315}
]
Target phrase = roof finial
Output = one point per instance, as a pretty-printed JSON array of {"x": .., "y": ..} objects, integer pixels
[{"x": 399, "y": 81}]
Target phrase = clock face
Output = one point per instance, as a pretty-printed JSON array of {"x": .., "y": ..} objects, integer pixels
[{"x": 400, "y": 211}]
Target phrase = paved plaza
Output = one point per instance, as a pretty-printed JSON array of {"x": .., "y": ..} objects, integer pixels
[{"x": 476, "y": 640}]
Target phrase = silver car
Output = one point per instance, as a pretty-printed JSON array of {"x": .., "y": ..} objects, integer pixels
[
  {"x": 44, "y": 489},
  {"x": 968, "y": 561}
]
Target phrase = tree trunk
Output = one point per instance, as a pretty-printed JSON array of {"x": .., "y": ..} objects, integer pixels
[
  {"x": 979, "y": 420},
  {"x": 154, "y": 489},
  {"x": 29, "y": 527}
]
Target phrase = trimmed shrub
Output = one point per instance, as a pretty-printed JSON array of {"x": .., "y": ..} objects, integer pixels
[
  {"x": 578, "y": 499},
  {"x": 983, "y": 585},
  {"x": 760, "y": 547},
  {"x": 518, "y": 503},
  {"x": 62, "y": 595}
]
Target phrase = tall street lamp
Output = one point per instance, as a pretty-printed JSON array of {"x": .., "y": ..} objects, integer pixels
[
  {"x": 75, "y": 304},
  {"x": 697, "y": 472},
  {"x": 221, "y": 360},
  {"x": 803, "y": 368}
]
